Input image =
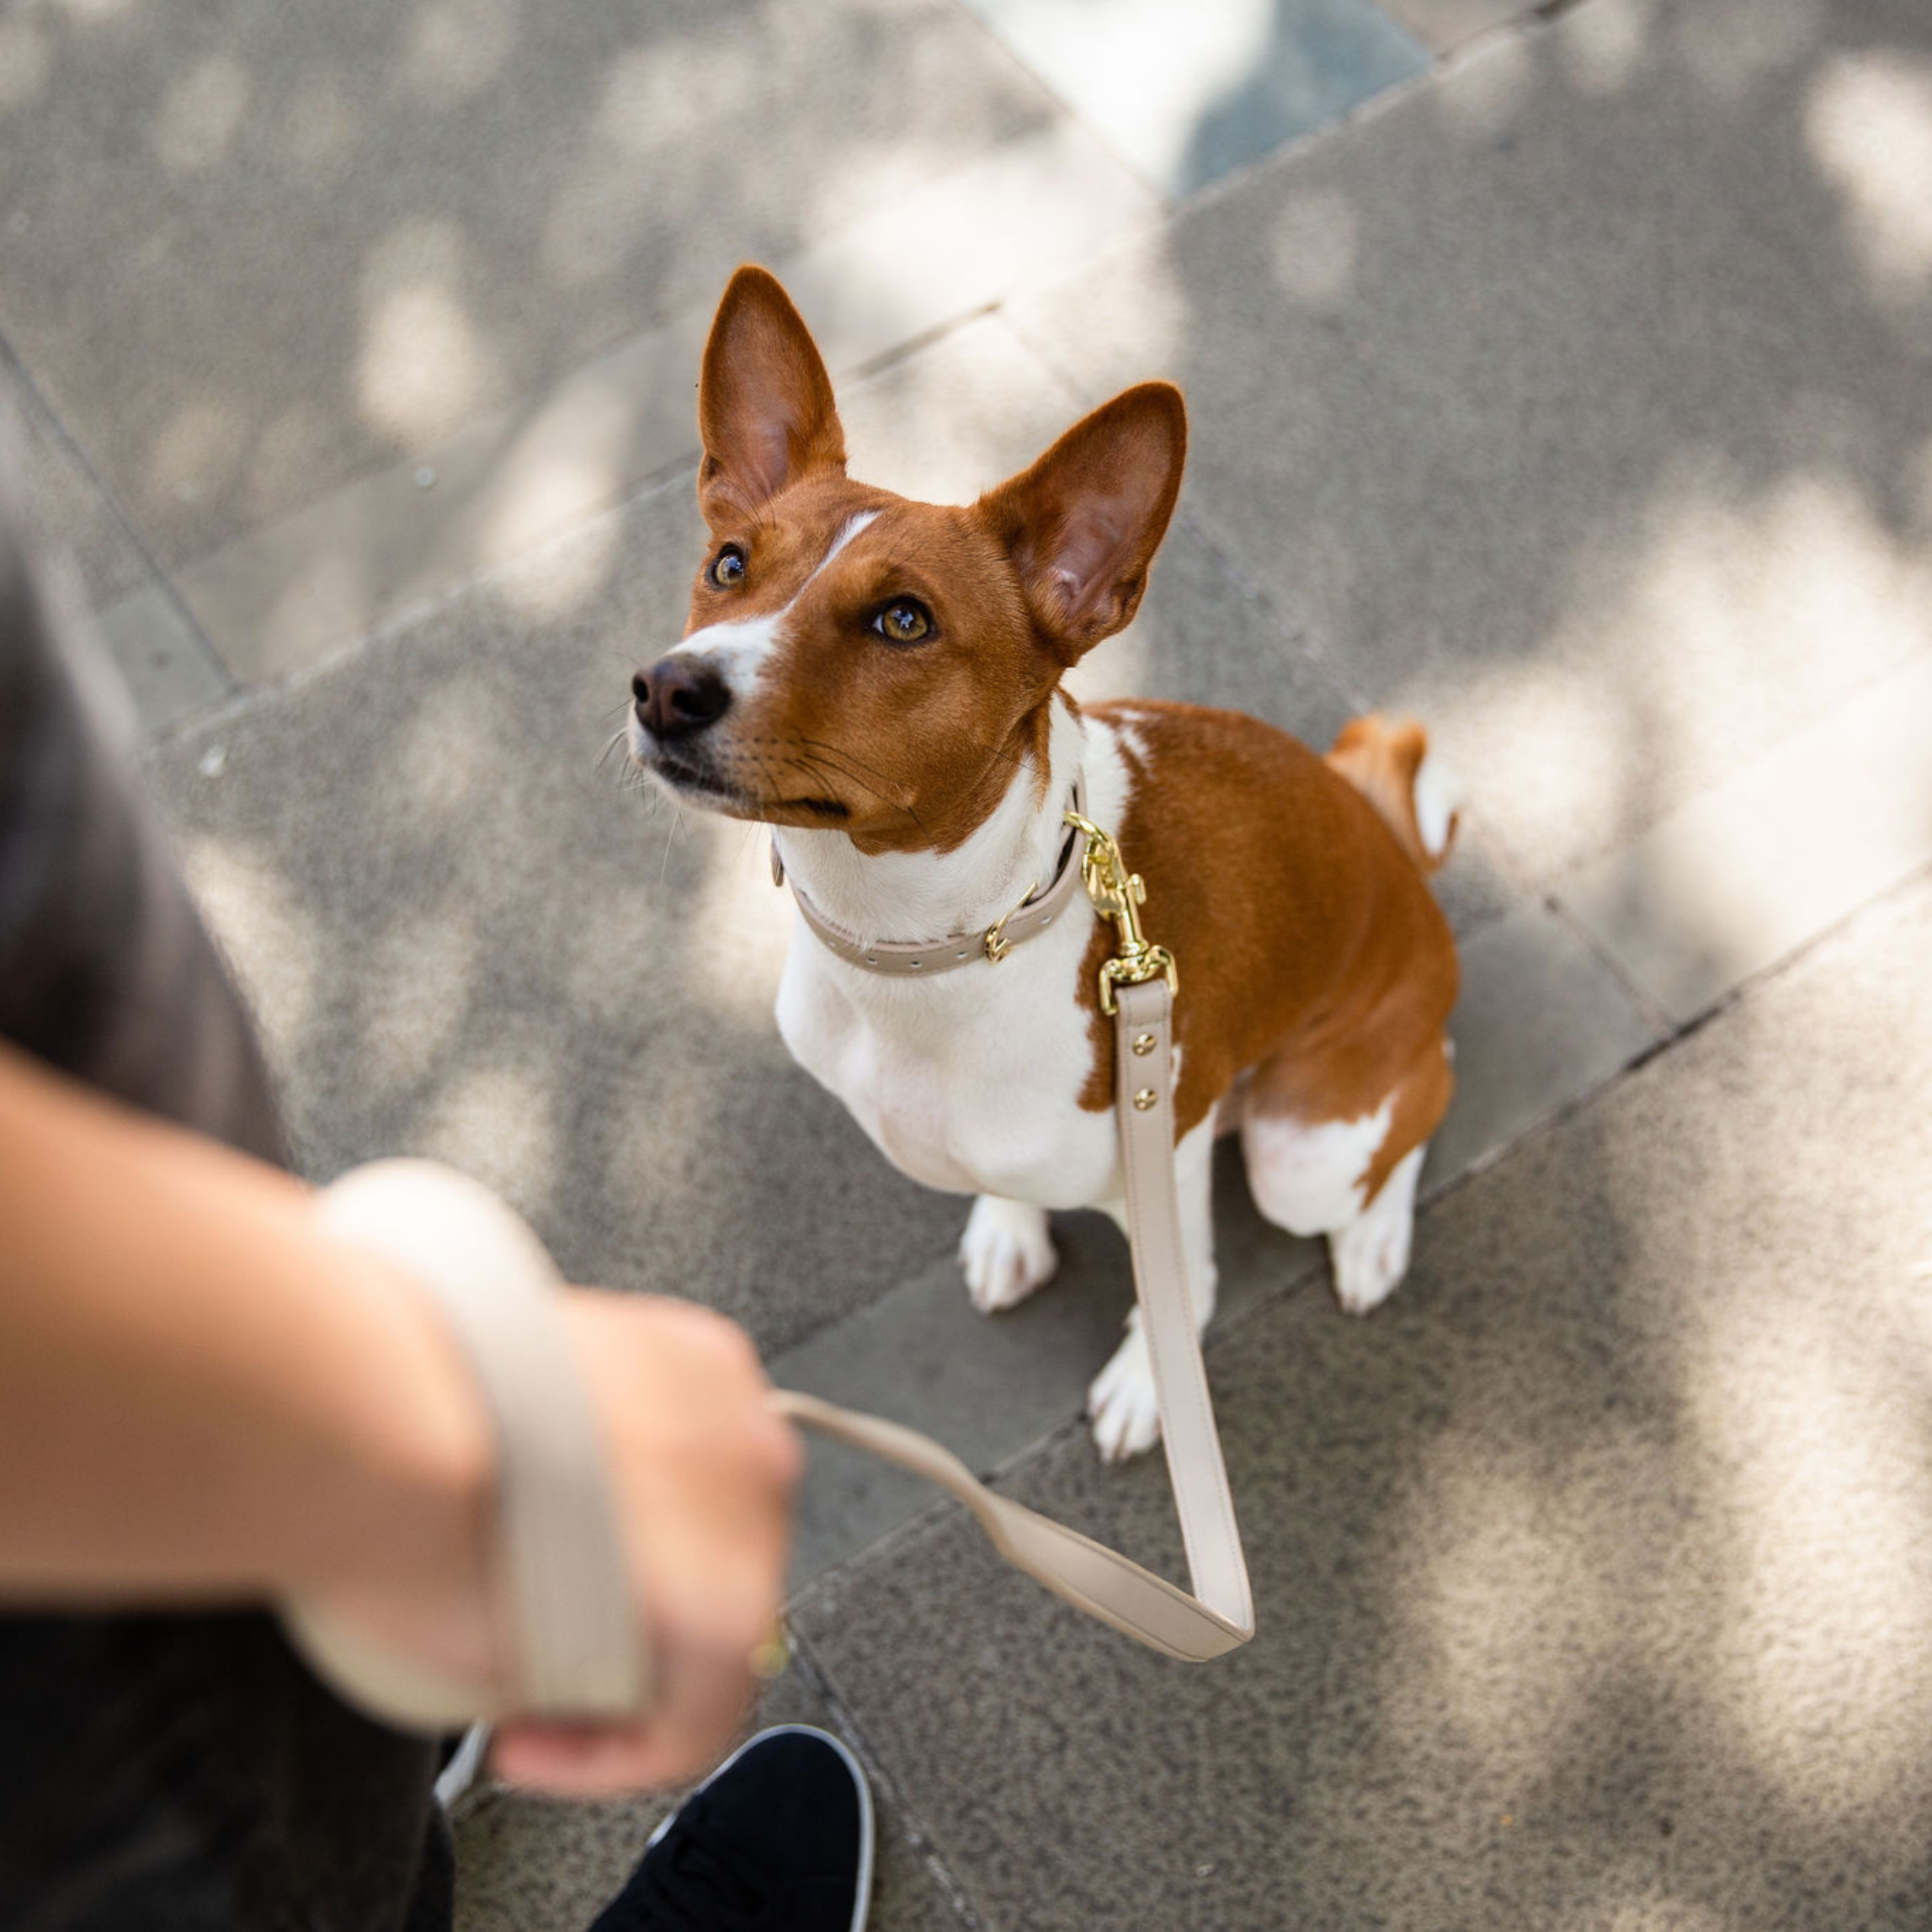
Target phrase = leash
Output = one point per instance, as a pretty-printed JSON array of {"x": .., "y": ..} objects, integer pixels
[
  {"x": 1137, "y": 989},
  {"x": 576, "y": 1633}
]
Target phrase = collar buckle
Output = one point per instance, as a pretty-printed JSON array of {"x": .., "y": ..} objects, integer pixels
[{"x": 998, "y": 945}]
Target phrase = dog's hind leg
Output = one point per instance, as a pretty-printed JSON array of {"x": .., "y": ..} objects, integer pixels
[
  {"x": 1369, "y": 1256},
  {"x": 1005, "y": 1252},
  {"x": 1348, "y": 1172}
]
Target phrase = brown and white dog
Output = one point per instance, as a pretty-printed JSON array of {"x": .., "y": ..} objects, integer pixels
[{"x": 880, "y": 680}]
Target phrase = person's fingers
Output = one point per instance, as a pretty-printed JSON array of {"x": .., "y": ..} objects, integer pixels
[
  {"x": 708, "y": 1706},
  {"x": 708, "y": 1702},
  {"x": 703, "y": 1473},
  {"x": 594, "y": 1761}
]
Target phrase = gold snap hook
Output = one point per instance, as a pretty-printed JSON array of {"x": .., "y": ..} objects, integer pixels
[{"x": 1118, "y": 895}]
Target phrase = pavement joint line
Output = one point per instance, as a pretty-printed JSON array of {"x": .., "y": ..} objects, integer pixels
[
  {"x": 1525, "y": 26},
  {"x": 1755, "y": 982},
  {"x": 916, "y": 345},
  {"x": 1747, "y": 871},
  {"x": 1296, "y": 144},
  {"x": 1295, "y": 630},
  {"x": 248, "y": 697},
  {"x": 1653, "y": 1014},
  {"x": 907, "y": 1529},
  {"x": 160, "y": 581},
  {"x": 924, "y": 1841}
]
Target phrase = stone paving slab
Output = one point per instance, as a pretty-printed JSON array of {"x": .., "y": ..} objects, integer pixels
[
  {"x": 1730, "y": 883},
  {"x": 530, "y": 1864},
  {"x": 166, "y": 662},
  {"x": 1186, "y": 95},
  {"x": 1593, "y": 1571},
  {"x": 169, "y": 670},
  {"x": 65, "y": 508},
  {"x": 307, "y": 584},
  {"x": 1541, "y": 1022},
  {"x": 1576, "y": 401},
  {"x": 251, "y": 251}
]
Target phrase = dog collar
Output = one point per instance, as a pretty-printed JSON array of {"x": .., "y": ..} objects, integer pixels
[{"x": 910, "y": 960}]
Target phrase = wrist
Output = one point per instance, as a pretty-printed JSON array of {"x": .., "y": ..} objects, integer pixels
[{"x": 405, "y": 1553}]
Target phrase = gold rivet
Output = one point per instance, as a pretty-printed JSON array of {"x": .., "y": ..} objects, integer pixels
[
  {"x": 1143, "y": 1043},
  {"x": 1144, "y": 1099}
]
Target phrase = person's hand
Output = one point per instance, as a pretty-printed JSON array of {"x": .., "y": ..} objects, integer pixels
[{"x": 704, "y": 1473}]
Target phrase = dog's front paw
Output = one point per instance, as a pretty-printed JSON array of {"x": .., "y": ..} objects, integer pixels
[
  {"x": 1122, "y": 1405},
  {"x": 1006, "y": 1252}
]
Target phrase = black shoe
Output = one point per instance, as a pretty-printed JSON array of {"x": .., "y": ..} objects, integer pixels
[{"x": 779, "y": 1835}]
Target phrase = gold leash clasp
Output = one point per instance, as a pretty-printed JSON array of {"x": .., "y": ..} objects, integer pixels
[{"x": 1118, "y": 895}]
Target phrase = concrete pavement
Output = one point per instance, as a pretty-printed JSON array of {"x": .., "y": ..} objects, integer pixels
[{"x": 1562, "y": 375}]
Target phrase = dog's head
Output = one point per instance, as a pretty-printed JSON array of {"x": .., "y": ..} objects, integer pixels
[{"x": 858, "y": 661}]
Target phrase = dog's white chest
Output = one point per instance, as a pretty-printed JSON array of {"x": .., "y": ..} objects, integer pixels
[{"x": 971, "y": 1082}]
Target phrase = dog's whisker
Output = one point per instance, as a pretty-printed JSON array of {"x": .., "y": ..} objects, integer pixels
[
  {"x": 851, "y": 759},
  {"x": 670, "y": 831},
  {"x": 824, "y": 756}
]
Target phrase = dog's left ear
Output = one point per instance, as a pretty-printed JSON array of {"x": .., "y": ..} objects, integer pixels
[
  {"x": 764, "y": 402},
  {"x": 1083, "y": 525}
]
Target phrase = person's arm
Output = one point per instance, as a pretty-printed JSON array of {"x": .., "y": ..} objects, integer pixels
[{"x": 202, "y": 1398}]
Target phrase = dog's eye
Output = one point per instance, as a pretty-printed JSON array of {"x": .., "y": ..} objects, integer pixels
[
  {"x": 903, "y": 621},
  {"x": 727, "y": 568}
]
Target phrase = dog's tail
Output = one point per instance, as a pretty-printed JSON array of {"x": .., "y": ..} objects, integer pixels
[{"x": 1392, "y": 768}]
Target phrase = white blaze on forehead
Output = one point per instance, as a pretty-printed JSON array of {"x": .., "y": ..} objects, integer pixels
[
  {"x": 854, "y": 526},
  {"x": 740, "y": 650}
]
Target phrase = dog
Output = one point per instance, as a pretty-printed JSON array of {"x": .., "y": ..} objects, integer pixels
[{"x": 879, "y": 681}]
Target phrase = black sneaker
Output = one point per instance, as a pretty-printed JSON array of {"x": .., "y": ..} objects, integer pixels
[{"x": 779, "y": 1835}]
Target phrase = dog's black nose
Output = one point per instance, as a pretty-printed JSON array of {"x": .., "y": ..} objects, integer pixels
[{"x": 678, "y": 695}]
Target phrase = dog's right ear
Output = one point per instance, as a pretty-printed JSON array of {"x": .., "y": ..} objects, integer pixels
[{"x": 764, "y": 402}]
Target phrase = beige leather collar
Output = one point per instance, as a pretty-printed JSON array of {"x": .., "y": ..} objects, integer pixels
[{"x": 904, "y": 959}]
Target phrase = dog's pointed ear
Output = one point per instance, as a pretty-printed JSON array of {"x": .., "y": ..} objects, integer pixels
[
  {"x": 764, "y": 402},
  {"x": 1083, "y": 525}
]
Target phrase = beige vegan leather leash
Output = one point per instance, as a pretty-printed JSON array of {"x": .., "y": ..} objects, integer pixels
[
  {"x": 1137, "y": 989},
  {"x": 574, "y": 1632}
]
